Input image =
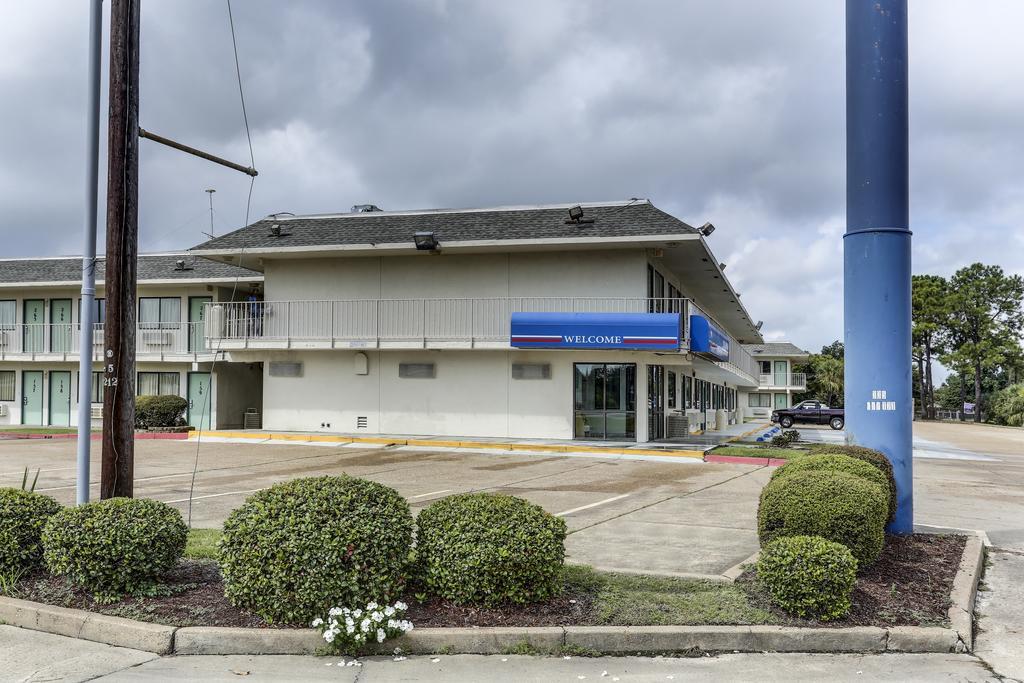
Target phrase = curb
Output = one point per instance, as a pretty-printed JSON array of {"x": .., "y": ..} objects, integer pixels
[
  {"x": 744, "y": 460},
  {"x": 214, "y": 640},
  {"x": 139, "y": 436}
]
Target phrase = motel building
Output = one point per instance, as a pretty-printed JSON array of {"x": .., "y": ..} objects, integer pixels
[
  {"x": 40, "y": 314},
  {"x": 776, "y": 380},
  {"x": 601, "y": 321}
]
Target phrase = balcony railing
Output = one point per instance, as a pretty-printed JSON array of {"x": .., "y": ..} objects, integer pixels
[
  {"x": 62, "y": 341},
  {"x": 792, "y": 380},
  {"x": 423, "y": 323}
]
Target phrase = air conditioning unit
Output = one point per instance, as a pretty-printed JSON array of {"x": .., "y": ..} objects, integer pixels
[
  {"x": 97, "y": 412},
  {"x": 3, "y": 410}
]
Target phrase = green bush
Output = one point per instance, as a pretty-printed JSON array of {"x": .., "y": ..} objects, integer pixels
[
  {"x": 837, "y": 506},
  {"x": 868, "y": 455},
  {"x": 116, "y": 546},
  {"x": 808, "y": 576},
  {"x": 834, "y": 462},
  {"x": 293, "y": 551},
  {"x": 487, "y": 549},
  {"x": 159, "y": 411},
  {"x": 22, "y": 518}
]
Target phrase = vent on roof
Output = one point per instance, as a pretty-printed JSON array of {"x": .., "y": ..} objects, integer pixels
[
  {"x": 181, "y": 266},
  {"x": 365, "y": 208},
  {"x": 277, "y": 231}
]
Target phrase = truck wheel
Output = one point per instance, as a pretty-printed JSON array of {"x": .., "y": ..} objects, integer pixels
[
  {"x": 836, "y": 423},
  {"x": 786, "y": 422}
]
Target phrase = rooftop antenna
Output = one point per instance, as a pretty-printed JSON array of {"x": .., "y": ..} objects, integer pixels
[{"x": 210, "y": 192}]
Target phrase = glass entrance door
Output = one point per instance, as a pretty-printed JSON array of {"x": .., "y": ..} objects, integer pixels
[
  {"x": 655, "y": 402},
  {"x": 604, "y": 400}
]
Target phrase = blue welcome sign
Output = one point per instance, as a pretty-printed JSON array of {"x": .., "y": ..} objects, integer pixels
[
  {"x": 636, "y": 331},
  {"x": 706, "y": 339}
]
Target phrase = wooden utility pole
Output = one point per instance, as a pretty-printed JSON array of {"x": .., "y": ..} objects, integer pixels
[{"x": 118, "y": 466}]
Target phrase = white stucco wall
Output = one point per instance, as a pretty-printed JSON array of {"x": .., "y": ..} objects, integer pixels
[{"x": 580, "y": 273}]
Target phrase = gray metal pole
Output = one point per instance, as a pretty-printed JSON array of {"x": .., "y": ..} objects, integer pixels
[{"x": 89, "y": 254}]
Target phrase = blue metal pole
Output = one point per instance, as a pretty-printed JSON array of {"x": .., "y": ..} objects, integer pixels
[{"x": 876, "y": 248}]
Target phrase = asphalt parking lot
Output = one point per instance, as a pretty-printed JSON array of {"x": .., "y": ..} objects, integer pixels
[{"x": 682, "y": 517}]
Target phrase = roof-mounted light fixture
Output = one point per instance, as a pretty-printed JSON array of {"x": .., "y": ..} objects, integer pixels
[
  {"x": 181, "y": 265},
  {"x": 426, "y": 241},
  {"x": 576, "y": 216},
  {"x": 721, "y": 266},
  {"x": 707, "y": 229},
  {"x": 758, "y": 325},
  {"x": 277, "y": 231}
]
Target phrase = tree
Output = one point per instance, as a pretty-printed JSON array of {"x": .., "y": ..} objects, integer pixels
[
  {"x": 1008, "y": 406},
  {"x": 825, "y": 375},
  {"x": 930, "y": 315},
  {"x": 986, "y": 319}
]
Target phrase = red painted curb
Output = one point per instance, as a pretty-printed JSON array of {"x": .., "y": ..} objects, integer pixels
[
  {"x": 744, "y": 460},
  {"x": 140, "y": 436}
]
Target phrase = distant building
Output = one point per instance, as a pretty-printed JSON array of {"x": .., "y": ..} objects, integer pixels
[{"x": 776, "y": 381}]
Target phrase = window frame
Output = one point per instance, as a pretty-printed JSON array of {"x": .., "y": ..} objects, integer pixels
[
  {"x": 160, "y": 384},
  {"x": 160, "y": 323},
  {"x": 13, "y": 385}
]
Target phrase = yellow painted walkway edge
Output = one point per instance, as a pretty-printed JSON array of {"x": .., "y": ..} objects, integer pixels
[{"x": 441, "y": 443}]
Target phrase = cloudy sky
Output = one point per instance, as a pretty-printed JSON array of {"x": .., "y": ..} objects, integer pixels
[{"x": 726, "y": 111}]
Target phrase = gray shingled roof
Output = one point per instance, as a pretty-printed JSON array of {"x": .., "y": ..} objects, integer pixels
[
  {"x": 151, "y": 267},
  {"x": 775, "y": 349},
  {"x": 611, "y": 219}
]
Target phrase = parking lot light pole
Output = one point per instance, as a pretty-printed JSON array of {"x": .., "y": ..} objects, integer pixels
[{"x": 876, "y": 246}]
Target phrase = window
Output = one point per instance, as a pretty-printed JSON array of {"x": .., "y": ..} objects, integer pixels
[
  {"x": 671, "y": 390},
  {"x": 765, "y": 366},
  {"x": 759, "y": 400},
  {"x": 417, "y": 370},
  {"x": 531, "y": 371},
  {"x": 8, "y": 313},
  {"x": 7, "y": 385},
  {"x": 655, "y": 290},
  {"x": 159, "y": 313},
  {"x": 97, "y": 388},
  {"x": 159, "y": 384},
  {"x": 99, "y": 311}
]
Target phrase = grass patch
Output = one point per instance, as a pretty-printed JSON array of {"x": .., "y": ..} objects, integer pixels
[
  {"x": 754, "y": 452},
  {"x": 202, "y": 544},
  {"x": 628, "y": 600}
]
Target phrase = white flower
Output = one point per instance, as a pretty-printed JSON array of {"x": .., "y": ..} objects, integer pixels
[
  {"x": 392, "y": 624},
  {"x": 334, "y": 611},
  {"x": 401, "y": 606},
  {"x": 317, "y": 622},
  {"x": 372, "y": 606},
  {"x": 389, "y": 611},
  {"x": 364, "y": 625},
  {"x": 329, "y": 636},
  {"x": 380, "y": 635},
  {"x": 350, "y": 628},
  {"x": 357, "y": 613},
  {"x": 377, "y": 617}
]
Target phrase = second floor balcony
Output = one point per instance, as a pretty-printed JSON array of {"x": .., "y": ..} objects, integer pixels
[
  {"x": 61, "y": 342},
  {"x": 783, "y": 380}
]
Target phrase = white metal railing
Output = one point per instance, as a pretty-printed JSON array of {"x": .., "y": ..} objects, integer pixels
[
  {"x": 794, "y": 380},
  {"x": 63, "y": 341},
  {"x": 396, "y": 320}
]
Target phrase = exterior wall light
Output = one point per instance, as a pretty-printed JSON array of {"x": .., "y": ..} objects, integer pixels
[
  {"x": 707, "y": 229},
  {"x": 426, "y": 241}
]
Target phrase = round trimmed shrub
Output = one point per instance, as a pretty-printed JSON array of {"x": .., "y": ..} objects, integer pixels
[
  {"x": 293, "y": 551},
  {"x": 488, "y": 549},
  {"x": 827, "y": 462},
  {"x": 152, "y": 412},
  {"x": 837, "y": 506},
  {"x": 808, "y": 576},
  {"x": 116, "y": 546},
  {"x": 23, "y": 515},
  {"x": 868, "y": 455}
]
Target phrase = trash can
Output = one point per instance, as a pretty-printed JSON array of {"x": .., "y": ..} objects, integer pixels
[{"x": 721, "y": 419}]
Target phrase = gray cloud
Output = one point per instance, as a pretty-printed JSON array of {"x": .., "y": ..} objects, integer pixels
[{"x": 729, "y": 111}]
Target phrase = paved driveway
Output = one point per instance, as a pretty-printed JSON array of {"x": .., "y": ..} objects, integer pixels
[{"x": 679, "y": 517}]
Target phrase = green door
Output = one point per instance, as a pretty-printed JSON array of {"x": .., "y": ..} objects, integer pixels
[
  {"x": 781, "y": 401},
  {"x": 196, "y": 326},
  {"x": 781, "y": 372},
  {"x": 199, "y": 400},
  {"x": 35, "y": 326},
  {"x": 60, "y": 398},
  {"x": 60, "y": 325},
  {"x": 32, "y": 397}
]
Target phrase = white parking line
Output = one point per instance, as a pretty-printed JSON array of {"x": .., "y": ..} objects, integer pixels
[
  {"x": 592, "y": 505},
  {"x": 432, "y": 493},
  {"x": 22, "y": 471},
  {"x": 212, "y": 495}
]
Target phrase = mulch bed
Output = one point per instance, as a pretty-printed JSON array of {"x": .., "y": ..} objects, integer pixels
[{"x": 909, "y": 585}]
